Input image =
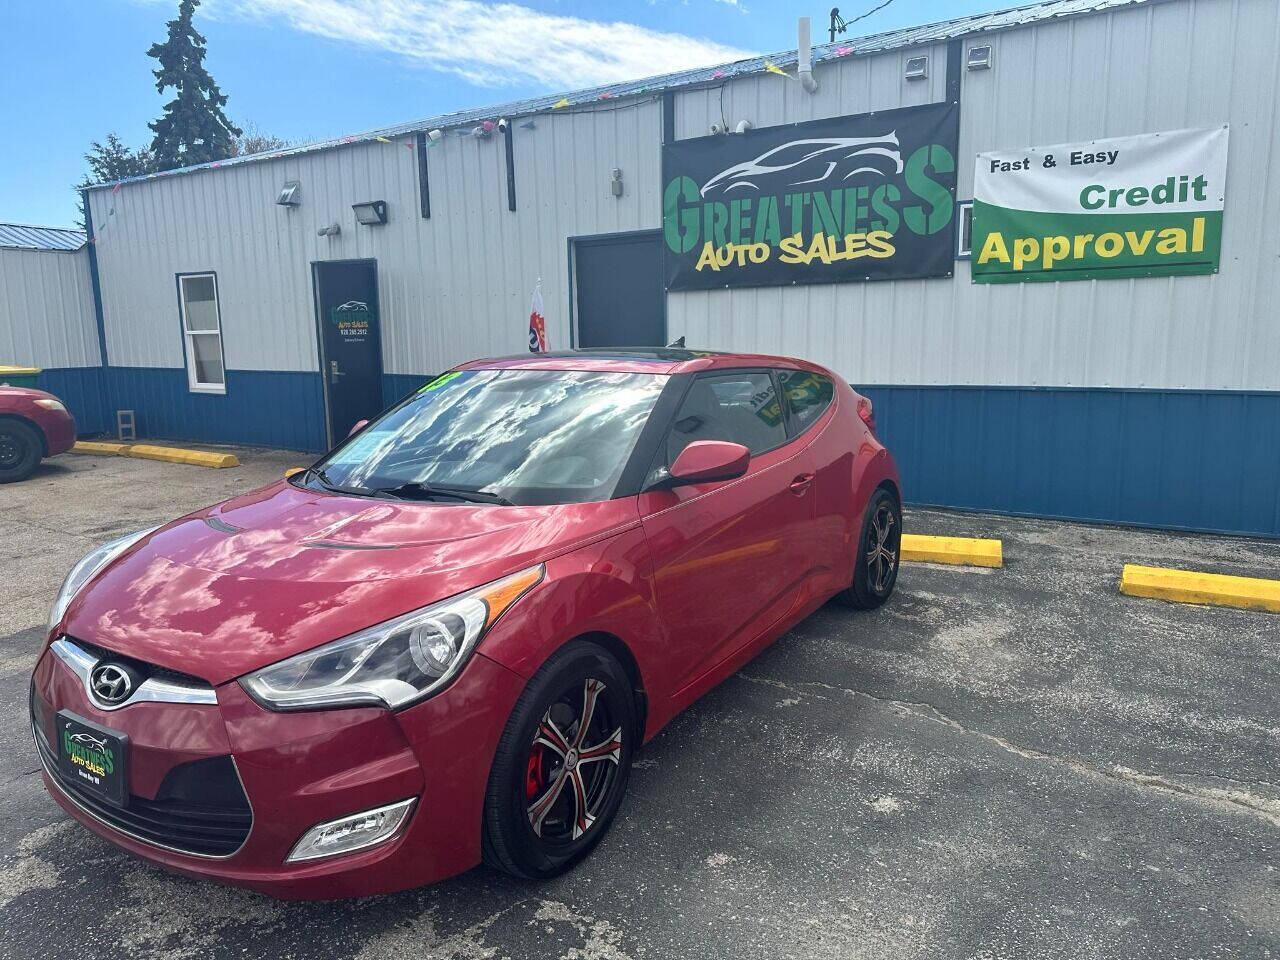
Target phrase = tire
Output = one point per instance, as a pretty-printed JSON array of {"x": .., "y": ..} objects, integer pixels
[
  {"x": 875, "y": 573},
  {"x": 20, "y": 450},
  {"x": 533, "y": 822}
]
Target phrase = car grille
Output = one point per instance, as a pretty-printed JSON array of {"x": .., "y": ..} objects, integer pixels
[{"x": 216, "y": 826}]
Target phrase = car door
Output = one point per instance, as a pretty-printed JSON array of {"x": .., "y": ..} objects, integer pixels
[{"x": 728, "y": 556}]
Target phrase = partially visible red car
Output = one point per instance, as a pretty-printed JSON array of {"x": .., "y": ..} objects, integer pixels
[
  {"x": 444, "y": 641},
  {"x": 33, "y": 425}
]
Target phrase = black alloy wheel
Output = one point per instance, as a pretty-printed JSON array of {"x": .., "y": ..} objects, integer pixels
[
  {"x": 879, "y": 553},
  {"x": 562, "y": 764}
]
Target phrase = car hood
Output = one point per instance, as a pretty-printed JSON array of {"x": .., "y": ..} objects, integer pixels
[{"x": 273, "y": 573}]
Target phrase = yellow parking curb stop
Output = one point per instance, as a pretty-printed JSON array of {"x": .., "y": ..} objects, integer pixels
[
  {"x": 1189, "y": 586},
  {"x": 968, "y": 551},
  {"x": 101, "y": 448},
  {"x": 196, "y": 458}
]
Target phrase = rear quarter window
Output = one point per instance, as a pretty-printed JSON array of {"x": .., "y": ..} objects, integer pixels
[{"x": 808, "y": 395}]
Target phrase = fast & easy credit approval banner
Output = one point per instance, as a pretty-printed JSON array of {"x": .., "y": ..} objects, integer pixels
[
  {"x": 1142, "y": 206},
  {"x": 851, "y": 198}
]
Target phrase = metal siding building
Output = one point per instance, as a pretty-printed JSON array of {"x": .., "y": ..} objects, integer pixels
[
  {"x": 46, "y": 305},
  {"x": 1151, "y": 401}
]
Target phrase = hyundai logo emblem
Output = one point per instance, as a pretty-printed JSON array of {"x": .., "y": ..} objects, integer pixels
[{"x": 110, "y": 684}]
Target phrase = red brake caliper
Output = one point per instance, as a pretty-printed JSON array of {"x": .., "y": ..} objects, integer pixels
[{"x": 533, "y": 773}]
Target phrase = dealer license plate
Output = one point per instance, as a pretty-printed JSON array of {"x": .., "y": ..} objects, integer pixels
[{"x": 93, "y": 757}]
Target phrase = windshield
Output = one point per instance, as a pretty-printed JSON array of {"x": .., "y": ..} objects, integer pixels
[{"x": 518, "y": 436}]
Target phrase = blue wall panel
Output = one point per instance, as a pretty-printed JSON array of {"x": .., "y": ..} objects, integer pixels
[
  {"x": 80, "y": 388},
  {"x": 260, "y": 408},
  {"x": 395, "y": 386},
  {"x": 1184, "y": 459}
]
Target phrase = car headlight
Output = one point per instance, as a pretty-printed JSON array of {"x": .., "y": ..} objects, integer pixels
[
  {"x": 394, "y": 663},
  {"x": 50, "y": 404},
  {"x": 90, "y": 564}
]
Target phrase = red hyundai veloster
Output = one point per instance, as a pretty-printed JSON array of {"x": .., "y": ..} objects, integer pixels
[{"x": 443, "y": 642}]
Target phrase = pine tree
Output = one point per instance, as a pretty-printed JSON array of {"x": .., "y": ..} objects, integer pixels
[{"x": 193, "y": 128}]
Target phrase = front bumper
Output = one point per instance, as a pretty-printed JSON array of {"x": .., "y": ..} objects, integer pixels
[{"x": 297, "y": 770}]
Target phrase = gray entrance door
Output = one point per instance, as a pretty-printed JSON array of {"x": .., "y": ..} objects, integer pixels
[{"x": 618, "y": 297}]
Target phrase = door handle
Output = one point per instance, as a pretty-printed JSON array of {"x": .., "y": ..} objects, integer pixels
[
  {"x": 801, "y": 483},
  {"x": 334, "y": 372}
]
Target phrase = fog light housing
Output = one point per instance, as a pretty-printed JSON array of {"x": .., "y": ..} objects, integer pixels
[{"x": 358, "y": 831}]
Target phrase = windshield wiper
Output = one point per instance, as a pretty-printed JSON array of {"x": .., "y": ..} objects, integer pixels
[
  {"x": 332, "y": 487},
  {"x": 424, "y": 490}
]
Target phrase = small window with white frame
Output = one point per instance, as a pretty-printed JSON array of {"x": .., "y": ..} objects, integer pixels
[
  {"x": 202, "y": 332},
  {"x": 964, "y": 229}
]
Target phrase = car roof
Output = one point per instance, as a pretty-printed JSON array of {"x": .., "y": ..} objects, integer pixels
[{"x": 637, "y": 360}]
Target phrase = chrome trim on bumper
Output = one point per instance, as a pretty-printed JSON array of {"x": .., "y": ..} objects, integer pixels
[{"x": 151, "y": 690}]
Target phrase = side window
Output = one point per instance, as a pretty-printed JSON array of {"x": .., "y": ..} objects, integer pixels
[
  {"x": 739, "y": 407},
  {"x": 202, "y": 329},
  {"x": 808, "y": 394}
]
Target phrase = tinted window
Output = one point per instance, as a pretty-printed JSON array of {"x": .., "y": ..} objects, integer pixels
[
  {"x": 740, "y": 407},
  {"x": 808, "y": 394},
  {"x": 529, "y": 436}
]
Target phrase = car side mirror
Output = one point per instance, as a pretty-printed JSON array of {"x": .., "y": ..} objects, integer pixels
[
  {"x": 706, "y": 460},
  {"x": 357, "y": 427}
]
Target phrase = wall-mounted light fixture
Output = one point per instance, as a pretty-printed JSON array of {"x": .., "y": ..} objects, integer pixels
[
  {"x": 290, "y": 194},
  {"x": 978, "y": 58},
  {"x": 332, "y": 230},
  {"x": 435, "y": 135},
  {"x": 371, "y": 213},
  {"x": 615, "y": 181},
  {"x": 917, "y": 68}
]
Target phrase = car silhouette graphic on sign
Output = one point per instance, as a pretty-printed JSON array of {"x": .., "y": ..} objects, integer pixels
[{"x": 827, "y": 162}]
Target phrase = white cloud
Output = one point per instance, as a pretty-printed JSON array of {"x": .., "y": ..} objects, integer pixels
[{"x": 491, "y": 44}]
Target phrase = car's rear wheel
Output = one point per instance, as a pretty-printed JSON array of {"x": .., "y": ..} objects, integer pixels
[
  {"x": 879, "y": 550},
  {"x": 562, "y": 764},
  {"x": 20, "y": 450}
]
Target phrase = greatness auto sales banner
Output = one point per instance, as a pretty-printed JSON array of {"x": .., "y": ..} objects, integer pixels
[
  {"x": 1144, "y": 206},
  {"x": 866, "y": 197}
]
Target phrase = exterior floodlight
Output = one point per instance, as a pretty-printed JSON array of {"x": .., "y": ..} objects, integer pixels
[
  {"x": 371, "y": 213},
  {"x": 290, "y": 194},
  {"x": 434, "y": 135},
  {"x": 979, "y": 58},
  {"x": 917, "y": 68}
]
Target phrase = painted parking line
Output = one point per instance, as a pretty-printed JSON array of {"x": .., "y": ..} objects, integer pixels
[
  {"x": 969, "y": 551},
  {"x": 1190, "y": 586}
]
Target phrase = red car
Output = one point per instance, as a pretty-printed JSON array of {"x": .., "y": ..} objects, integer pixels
[
  {"x": 444, "y": 642},
  {"x": 33, "y": 425}
]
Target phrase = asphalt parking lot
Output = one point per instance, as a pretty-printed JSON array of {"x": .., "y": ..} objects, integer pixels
[{"x": 999, "y": 763}]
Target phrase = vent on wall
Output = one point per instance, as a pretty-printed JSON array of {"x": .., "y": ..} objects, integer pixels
[
  {"x": 979, "y": 58},
  {"x": 917, "y": 68}
]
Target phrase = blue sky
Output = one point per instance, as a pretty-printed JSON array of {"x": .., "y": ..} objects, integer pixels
[{"x": 72, "y": 71}]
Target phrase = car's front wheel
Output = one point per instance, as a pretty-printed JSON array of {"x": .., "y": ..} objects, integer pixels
[
  {"x": 879, "y": 551},
  {"x": 20, "y": 450},
  {"x": 562, "y": 764}
]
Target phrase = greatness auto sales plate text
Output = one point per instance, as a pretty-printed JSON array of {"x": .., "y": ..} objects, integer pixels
[
  {"x": 851, "y": 198},
  {"x": 92, "y": 757}
]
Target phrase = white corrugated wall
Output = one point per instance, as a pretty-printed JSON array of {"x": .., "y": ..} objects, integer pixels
[
  {"x": 46, "y": 309},
  {"x": 457, "y": 286},
  {"x": 1134, "y": 70},
  {"x": 451, "y": 288}
]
